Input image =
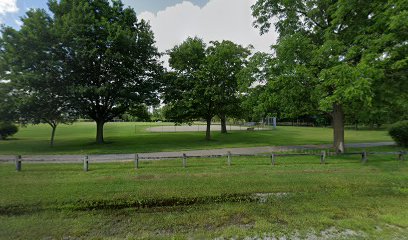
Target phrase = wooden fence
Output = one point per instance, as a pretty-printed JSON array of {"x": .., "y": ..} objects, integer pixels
[{"x": 229, "y": 156}]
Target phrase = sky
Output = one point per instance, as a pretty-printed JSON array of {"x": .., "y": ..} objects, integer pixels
[{"x": 172, "y": 21}]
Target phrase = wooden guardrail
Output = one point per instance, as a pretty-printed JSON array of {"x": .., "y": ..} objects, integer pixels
[{"x": 273, "y": 156}]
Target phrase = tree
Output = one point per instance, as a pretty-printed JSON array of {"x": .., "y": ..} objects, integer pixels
[
  {"x": 333, "y": 54},
  {"x": 187, "y": 93},
  {"x": 8, "y": 107},
  {"x": 256, "y": 101},
  {"x": 110, "y": 58},
  {"x": 159, "y": 113},
  {"x": 30, "y": 60},
  {"x": 204, "y": 82},
  {"x": 138, "y": 113},
  {"x": 224, "y": 62}
]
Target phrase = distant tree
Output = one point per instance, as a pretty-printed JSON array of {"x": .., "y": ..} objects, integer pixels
[
  {"x": 204, "y": 82},
  {"x": 38, "y": 84},
  {"x": 8, "y": 106},
  {"x": 139, "y": 113},
  {"x": 8, "y": 110},
  {"x": 257, "y": 102},
  {"x": 158, "y": 113},
  {"x": 188, "y": 95},
  {"x": 110, "y": 56},
  {"x": 333, "y": 54},
  {"x": 224, "y": 62},
  {"x": 7, "y": 129}
]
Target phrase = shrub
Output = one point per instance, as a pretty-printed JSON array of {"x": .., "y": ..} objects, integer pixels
[
  {"x": 399, "y": 132},
  {"x": 7, "y": 129}
]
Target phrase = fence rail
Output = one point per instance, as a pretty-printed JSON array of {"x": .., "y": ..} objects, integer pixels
[{"x": 136, "y": 157}]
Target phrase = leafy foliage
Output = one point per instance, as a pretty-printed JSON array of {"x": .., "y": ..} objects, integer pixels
[
  {"x": 111, "y": 58},
  {"x": 399, "y": 132},
  {"x": 138, "y": 113},
  {"x": 8, "y": 106},
  {"x": 7, "y": 129},
  {"x": 89, "y": 58},
  {"x": 337, "y": 57},
  {"x": 204, "y": 82},
  {"x": 31, "y": 61}
]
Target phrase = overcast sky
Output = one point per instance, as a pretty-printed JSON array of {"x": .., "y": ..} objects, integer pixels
[{"x": 173, "y": 21}]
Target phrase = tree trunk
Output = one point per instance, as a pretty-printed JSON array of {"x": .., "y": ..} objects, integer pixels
[
  {"x": 99, "y": 132},
  {"x": 208, "y": 131},
  {"x": 338, "y": 128},
  {"x": 54, "y": 127},
  {"x": 223, "y": 124}
]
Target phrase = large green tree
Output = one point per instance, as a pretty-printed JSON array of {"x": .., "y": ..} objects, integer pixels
[
  {"x": 29, "y": 59},
  {"x": 204, "y": 82},
  {"x": 256, "y": 102},
  {"x": 332, "y": 55},
  {"x": 187, "y": 93},
  {"x": 224, "y": 62},
  {"x": 92, "y": 56},
  {"x": 110, "y": 56}
]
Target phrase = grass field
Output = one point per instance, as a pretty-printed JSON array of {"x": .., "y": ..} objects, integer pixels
[
  {"x": 296, "y": 198},
  {"x": 132, "y": 137}
]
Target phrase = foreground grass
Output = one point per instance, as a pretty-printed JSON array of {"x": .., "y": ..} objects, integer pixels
[
  {"x": 341, "y": 199},
  {"x": 132, "y": 137}
]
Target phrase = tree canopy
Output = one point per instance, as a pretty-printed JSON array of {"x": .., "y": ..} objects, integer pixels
[
  {"x": 333, "y": 55},
  {"x": 111, "y": 57},
  {"x": 204, "y": 82},
  {"x": 30, "y": 60},
  {"x": 93, "y": 56}
]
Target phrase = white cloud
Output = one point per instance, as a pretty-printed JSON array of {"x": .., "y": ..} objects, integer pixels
[
  {"x": 218, "y": 20},
  {"x": 8, "y": 6},
  {"x": 18, "y": 22}
]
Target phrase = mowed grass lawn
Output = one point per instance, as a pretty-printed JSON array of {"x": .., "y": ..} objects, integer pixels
[
  {"x": 79, "y": 138},
  {"x": 297, "y": 198}
]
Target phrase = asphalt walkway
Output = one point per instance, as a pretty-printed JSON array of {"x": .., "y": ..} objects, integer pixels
[{"x": 190, "y": 153}]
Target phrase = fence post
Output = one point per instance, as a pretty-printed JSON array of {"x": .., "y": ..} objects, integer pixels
[
  {"x": 86, "y": 163},
  {"x": 272, "y": 159},
  {"x": 136, "y": 161},
  {"x": 184, "y": 160},
  {"x": 364, "y": 157},
  {"x": 323, "y": 157},
  {"x": 401, "y": 156},
  {"x": 18, "y": 163},
  {"x": 229, "y": 158}
]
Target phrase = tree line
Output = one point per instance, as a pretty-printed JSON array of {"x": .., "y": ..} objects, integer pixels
[{"x": 342, "y": 60}]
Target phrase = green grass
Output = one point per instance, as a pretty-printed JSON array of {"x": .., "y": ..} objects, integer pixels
[
  {"x": 368, "y": 201},
  {"x": 79, "y": 138}
]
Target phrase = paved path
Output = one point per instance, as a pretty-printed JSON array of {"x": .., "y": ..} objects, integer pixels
[{"x": 194, "y": 153}]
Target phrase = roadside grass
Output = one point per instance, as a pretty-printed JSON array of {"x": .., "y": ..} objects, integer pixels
[
  {"x": 133, "y": 137},
  {"x": 298, "y": 197}
]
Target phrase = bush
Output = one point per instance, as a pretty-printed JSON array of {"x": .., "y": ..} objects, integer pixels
[
  {"x": 399, "y": 132},
  {"x": 7, "y": 129}
]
